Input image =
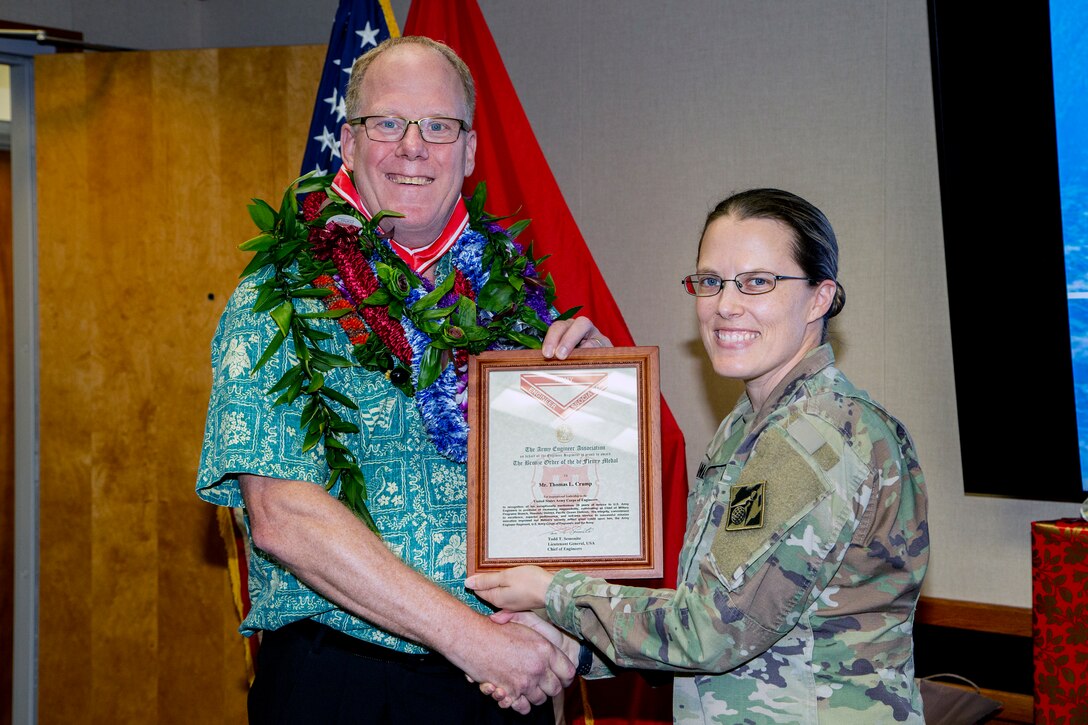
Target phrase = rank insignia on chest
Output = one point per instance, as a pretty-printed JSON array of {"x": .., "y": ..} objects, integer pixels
[{"x": 745, "y": 506}]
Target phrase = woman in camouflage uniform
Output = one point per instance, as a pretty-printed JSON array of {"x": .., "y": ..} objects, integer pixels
[{"x": 806, "y": 541}]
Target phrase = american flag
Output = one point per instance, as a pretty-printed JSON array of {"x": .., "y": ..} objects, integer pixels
[{"x": 359, "y": 26}]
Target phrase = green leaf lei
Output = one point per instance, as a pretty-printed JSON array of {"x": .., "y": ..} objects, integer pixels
[{"x": 284, "y": 243}]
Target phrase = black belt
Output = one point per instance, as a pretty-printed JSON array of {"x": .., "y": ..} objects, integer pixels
[{"x": 323, "y": 636}]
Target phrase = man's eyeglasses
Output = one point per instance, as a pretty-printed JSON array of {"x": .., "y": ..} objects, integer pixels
[
  {"x": 749, "y": 283},
  {"x": 392, "y": 128}
]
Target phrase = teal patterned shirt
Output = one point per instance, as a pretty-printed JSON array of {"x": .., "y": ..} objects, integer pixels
[{"x": 417, "y": 497}]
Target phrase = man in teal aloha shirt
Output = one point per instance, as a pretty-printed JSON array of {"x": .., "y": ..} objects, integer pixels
[{"x": 316, "y": 569}]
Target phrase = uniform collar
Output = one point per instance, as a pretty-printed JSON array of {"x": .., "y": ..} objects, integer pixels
[{"x": 813, "y": 362}]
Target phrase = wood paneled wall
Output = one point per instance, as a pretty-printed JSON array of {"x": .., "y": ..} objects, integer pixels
[{"x": 146, "y": 162}]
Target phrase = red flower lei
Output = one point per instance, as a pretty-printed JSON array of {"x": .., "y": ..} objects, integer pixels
[{"x": 358, "y": 281}]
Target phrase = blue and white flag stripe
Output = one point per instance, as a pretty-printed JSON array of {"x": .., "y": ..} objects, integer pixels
[{"x": 359, "y": 26}]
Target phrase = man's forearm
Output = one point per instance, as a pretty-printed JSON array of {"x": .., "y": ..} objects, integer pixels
[
  {"x": 328, "y": 548},
  {"x": 318, "y": 539}
]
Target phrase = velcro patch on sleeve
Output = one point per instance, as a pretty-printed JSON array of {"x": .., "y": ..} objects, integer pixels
[
  {"x": 806, "y": 435},
  {"x": 777, "y": 480}
]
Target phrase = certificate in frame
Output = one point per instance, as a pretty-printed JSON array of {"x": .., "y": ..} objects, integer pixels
[{"x": 564, "y": 462}]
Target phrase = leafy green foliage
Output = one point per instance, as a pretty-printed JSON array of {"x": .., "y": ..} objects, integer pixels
[
  {"x": 500, "y": 315},
  {"x": 284, "y": 242}
]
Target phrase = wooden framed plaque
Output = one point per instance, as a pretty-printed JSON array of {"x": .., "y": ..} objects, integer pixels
[{"x": 564, "y": 462}]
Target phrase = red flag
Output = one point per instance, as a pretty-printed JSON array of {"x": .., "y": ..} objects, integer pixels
[{"x": 510, "y": 160}]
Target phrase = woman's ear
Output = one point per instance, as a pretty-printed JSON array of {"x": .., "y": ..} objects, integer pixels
[{"x": 822, "y": 298}]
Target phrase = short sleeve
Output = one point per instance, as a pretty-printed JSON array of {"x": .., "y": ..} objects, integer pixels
[{"x": 244, "y": 432}]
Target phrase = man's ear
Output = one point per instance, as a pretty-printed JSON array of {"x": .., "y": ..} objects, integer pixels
[
  {"x": 347, "y": 145},
  {"x": 470, "y": 152}
]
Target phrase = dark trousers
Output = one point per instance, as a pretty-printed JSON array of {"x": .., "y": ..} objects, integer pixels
[{"x": 310, "y": 673}]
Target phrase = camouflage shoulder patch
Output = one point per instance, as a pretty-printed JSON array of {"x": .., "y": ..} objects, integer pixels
[{"x": 783, "y": 482}]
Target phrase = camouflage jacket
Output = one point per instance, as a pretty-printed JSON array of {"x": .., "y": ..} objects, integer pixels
[{"x": 805, "y": 550}]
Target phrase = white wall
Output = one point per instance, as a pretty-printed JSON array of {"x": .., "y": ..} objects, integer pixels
[
  {"x": 649, "y": 113},
  {"x": 648, "y": 117}
]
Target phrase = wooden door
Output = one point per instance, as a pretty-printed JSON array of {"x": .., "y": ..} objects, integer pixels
[{"x": 146, "y": 162}]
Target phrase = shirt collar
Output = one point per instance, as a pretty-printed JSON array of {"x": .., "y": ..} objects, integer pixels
[{"x": 419, "y": 259}]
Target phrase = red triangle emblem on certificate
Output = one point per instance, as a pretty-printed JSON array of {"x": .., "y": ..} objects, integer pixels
[{"x": 563, "y": 393}]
